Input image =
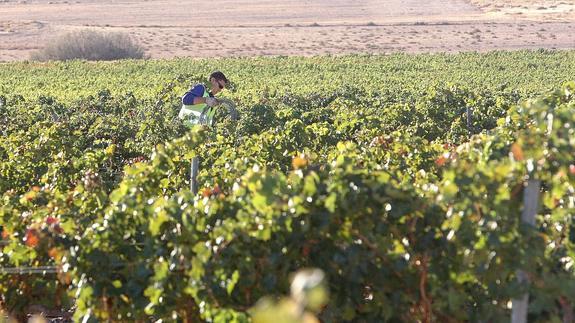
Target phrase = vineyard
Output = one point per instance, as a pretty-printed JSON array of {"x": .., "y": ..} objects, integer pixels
[{"x": 402, "y": 177}]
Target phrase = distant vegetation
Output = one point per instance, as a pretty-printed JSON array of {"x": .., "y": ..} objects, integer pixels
[{"x": 90, "y": 45}]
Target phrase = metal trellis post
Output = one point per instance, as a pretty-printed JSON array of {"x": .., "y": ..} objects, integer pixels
[
  {"x": 530, "y": 205},
  {"x": 194, "y": 174}
]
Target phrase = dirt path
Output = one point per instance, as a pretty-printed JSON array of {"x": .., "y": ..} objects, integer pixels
[{"x": 168, "y": 28}]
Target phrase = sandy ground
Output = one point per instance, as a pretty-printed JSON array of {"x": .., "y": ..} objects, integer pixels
[{"x": 169, "y": 28}]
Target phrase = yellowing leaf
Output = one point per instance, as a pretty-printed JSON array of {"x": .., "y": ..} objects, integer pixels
[{"x": 299, "y": 162}]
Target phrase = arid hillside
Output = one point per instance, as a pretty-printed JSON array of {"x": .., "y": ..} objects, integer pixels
[{"x": 169, "y": 28}]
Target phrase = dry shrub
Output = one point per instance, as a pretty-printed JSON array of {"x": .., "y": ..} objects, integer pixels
[{"x": 90, "y": 45}]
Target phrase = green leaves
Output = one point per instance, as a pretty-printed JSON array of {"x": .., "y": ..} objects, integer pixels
[{"x": 377, "y": 180}]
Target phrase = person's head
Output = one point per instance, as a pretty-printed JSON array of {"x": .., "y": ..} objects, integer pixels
[{"x": 218, "y": 81}]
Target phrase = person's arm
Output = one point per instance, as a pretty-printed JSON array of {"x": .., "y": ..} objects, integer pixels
[
  {"x": 210, "y": 101},
  {"x": 199, "y": 100},
  {"x": 191, "y": 97}
]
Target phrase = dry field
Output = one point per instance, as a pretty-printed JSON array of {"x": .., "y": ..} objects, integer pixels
[{"x": 170, "y": 28}]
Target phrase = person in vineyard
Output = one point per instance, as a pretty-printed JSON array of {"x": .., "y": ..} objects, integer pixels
[{"x": 200, "y": 100}]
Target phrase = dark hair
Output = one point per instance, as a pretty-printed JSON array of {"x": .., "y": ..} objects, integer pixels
[{"x": 219, "y": 76}]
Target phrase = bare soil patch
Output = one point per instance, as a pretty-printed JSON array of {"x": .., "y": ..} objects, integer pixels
[
  {"x": 169, "y": 28},
  {"x": 548, "y": 10}
]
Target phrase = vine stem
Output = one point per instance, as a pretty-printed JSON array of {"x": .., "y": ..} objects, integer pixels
[{"x": 426, "y": 302}]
